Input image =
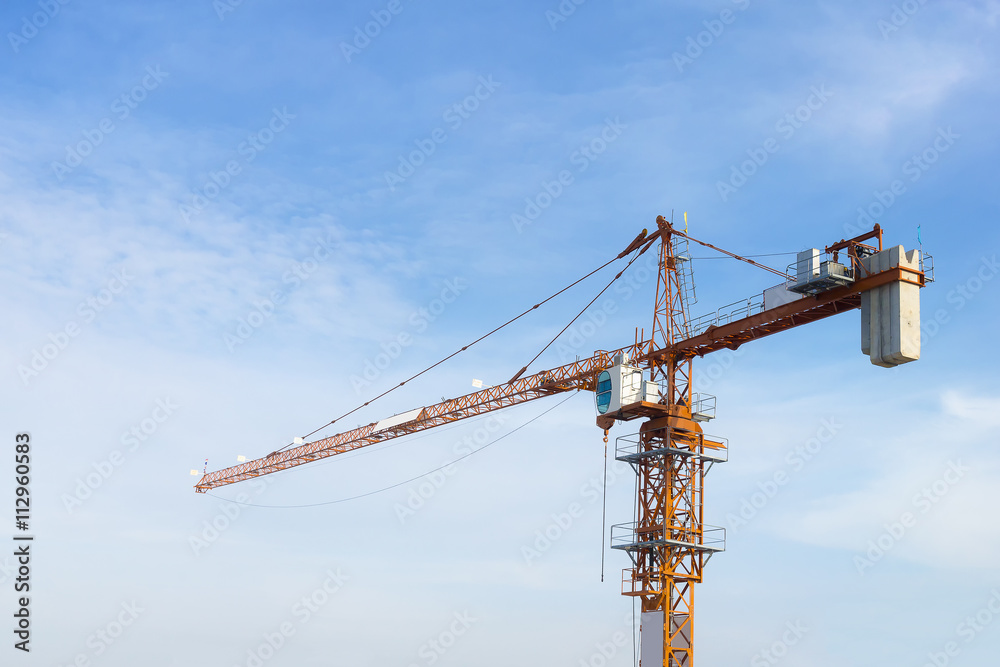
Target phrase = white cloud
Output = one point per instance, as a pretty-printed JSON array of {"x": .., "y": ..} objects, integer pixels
[
  {"x": 977, "y": 411},
  {"x": 940, "y": 473}
]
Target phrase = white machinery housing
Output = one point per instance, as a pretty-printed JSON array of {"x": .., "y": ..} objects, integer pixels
[{"x": 623, "y": 384}]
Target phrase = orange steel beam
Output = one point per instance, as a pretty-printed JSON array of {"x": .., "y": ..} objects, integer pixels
[
  {"x": 575, "y": 376},
  {"x": 802, "y": 311},
  {"x": 844, "y": 244}
]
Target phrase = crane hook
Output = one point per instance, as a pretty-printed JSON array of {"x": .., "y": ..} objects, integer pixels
[{"x": 605, "y": 436}]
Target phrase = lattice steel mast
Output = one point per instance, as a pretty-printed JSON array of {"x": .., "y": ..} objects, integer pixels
[{"x": 667, "y": 543}]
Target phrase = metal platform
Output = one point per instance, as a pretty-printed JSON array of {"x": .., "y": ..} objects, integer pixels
[
  {"x": 714, "y": 450},
  {"x": 628, "y": 537},
  {"x": 830, "y": 275},
  {"x": 640, "y": 409}
]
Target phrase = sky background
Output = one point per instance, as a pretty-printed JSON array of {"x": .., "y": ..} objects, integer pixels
[{"x": 232, "y": 210}]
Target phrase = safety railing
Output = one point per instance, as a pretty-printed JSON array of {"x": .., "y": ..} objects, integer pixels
[
  {"x": 631, "y": 536},
  {"x": 927, "y": 266},
  {"x": 709, "y": 447},
  {"x": 702, "y": 407},
  {"x": 728, "y": 313},
  {"x": 811, "y": 277}
]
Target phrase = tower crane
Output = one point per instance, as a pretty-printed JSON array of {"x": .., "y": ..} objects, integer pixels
[{"x": 668, "y": 541}]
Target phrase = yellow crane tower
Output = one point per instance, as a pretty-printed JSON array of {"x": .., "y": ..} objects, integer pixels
[{"x": 668, "y": 542}]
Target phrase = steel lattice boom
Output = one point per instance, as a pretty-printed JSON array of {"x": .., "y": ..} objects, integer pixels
[{"x": 575, "y": 376}]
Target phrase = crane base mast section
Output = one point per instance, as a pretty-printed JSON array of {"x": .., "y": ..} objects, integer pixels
[{"x": 668, "y": 542}]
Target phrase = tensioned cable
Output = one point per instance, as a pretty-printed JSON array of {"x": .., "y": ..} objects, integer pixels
[
  {"x": 463, "y": 349},
  {"x": 770, "y": 254},
  {"x": 604, "y": 510},
  {"x": 617, "y": 276},
  {"x": 412, "y": 479},
  {"x": 731, "y": 254}
]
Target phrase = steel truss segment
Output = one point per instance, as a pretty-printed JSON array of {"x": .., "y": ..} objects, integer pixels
[
  {"x": 579, "y": 375},
  {"x": 668, "y": 548},
  {"x": 797, "y": 313},
  {"x": 669, "y": 563}
]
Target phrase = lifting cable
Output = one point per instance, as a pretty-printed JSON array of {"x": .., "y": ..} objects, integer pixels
[
  {"x": 617, "y": 276},
  {"x": 604, "y": 511},
  {"x": 641, "y": 238}
]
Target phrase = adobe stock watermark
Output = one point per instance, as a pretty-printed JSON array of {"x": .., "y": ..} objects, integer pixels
[
  {"x": 218, "y": 180},
  {"x": 101, "y": 640},
  {"x": 224, "y": 7},
  {"x": 922, "y": 503},
  {"x": 419, "y": 321},
  {"x": 88, "y": 311},
  {"x": 697, "y": 44},
  {"x": 966, "y": 632},
  {"x": 581, "y": 159},
  {"x": 795, "y": 461},
  {"x": 913, "y": 169},
  {"x": 605, "y": 652},
  {"x": 585, "y": 328},
  {"x": 419, "y": 494},
  {"x": 966, "y": 291},
  {"x": 958, "y": 297},
  {"x": 131, "y": 440},
  {"x": 714, "y": 369},
  {"x": 562, "y": 13},
  {"x": 454, "y": 117},
  {"x": 365, "y": 34},
  {"x": 121, "y": 108},
  {"x": 35, "y": 23},
  {"x": 263, "y": 310},
  {"x": 302, "y": 611},
  {"x": 562, "y": 522},
  {"x": 431, "y": 651},
  {"x": 592, "y": 321},
  {"x": 899, "y": 16},
  {"x": 793, "y": 635},
  {"x": 229, "y": 513},
  {"x": 786, "y": 127}
]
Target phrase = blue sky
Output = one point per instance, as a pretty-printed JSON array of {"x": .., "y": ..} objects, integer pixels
[{"x": 215, "y": 217}]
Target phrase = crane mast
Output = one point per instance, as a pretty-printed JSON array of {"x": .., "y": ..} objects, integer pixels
[{"x": 668, "y": 541}]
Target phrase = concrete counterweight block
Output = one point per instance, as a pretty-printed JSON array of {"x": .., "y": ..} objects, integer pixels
[{"x": 890, "y": 314}]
